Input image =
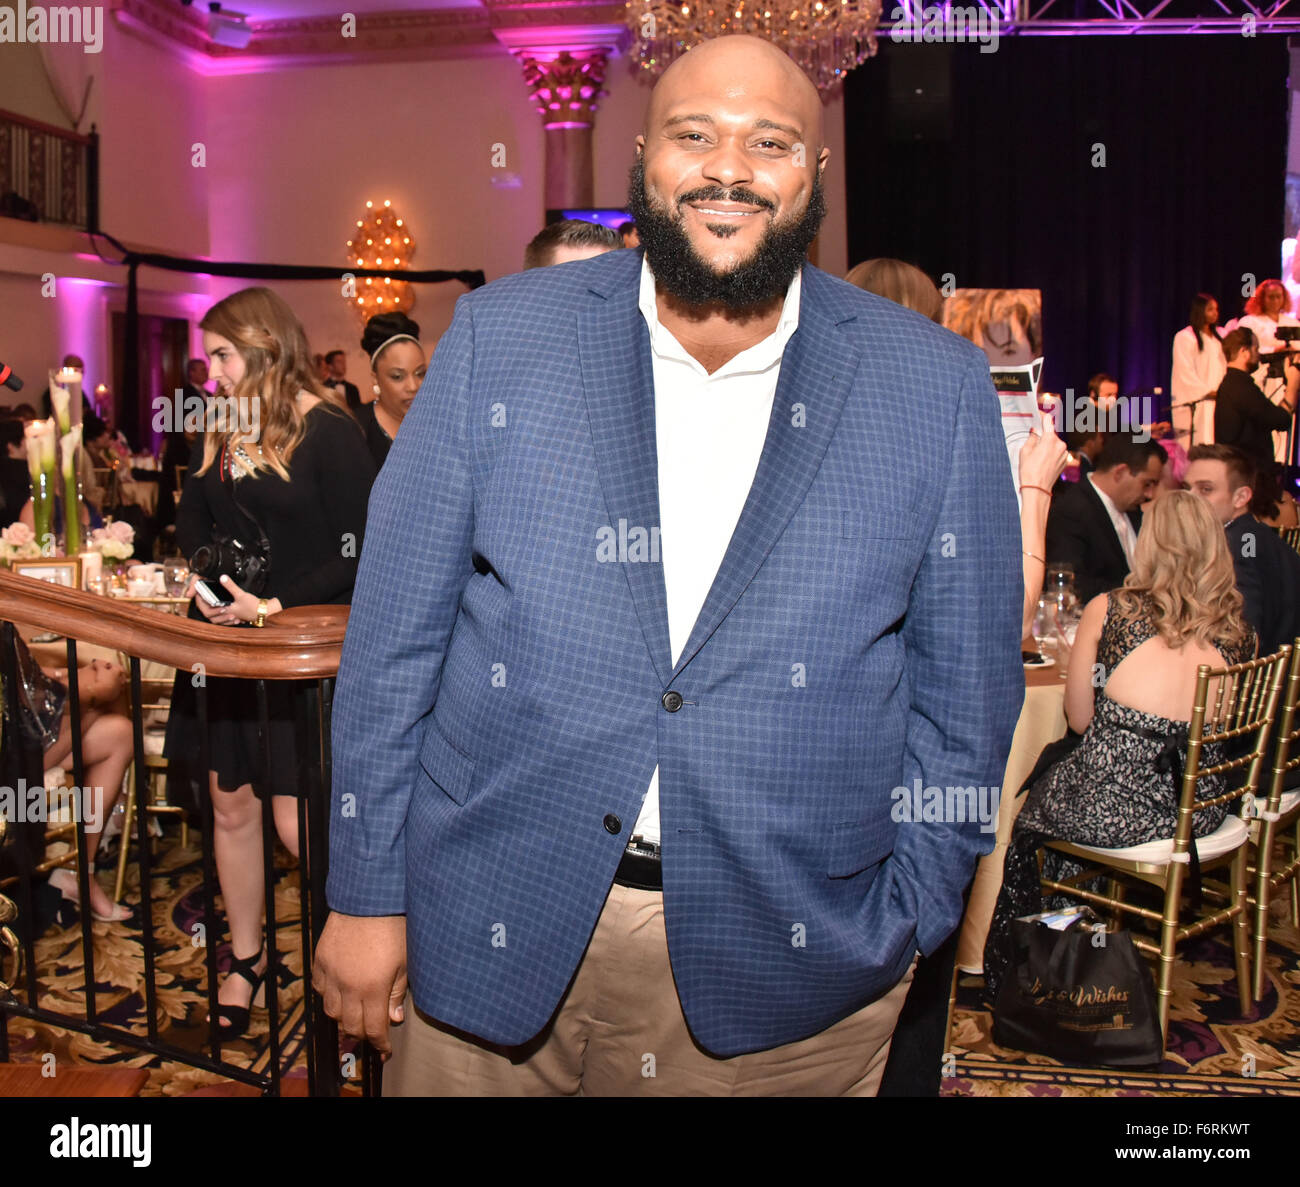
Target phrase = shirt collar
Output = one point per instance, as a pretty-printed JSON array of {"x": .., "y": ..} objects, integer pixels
[
  {"x": 758, "y": 357},
  {"x": 1113, "y": 511}
]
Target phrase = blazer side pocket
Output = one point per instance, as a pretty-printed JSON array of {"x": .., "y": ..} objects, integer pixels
[
  {"x": 858, "y": 845},
  {"x": 451, "y": 770}
]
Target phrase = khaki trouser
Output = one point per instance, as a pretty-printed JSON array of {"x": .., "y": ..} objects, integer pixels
[{"x": 619, "y": 1031}]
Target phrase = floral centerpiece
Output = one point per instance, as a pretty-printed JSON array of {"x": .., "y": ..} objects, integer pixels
[
  {"x": 18, "y": 543},
  {"x": 115, "y": 541}
]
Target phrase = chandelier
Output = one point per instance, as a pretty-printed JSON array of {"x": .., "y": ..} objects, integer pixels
[{"x": 827, "y": 38}]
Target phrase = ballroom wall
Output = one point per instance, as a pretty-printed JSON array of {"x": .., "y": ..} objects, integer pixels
[{"x": 292, "y": 155}]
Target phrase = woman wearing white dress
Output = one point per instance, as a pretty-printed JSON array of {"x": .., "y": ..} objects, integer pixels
[
  {"x": 1268, "y": 308},
  {"x": 1199, "y": 367}
]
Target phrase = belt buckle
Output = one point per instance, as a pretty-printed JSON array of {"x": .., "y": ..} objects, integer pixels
[{"x": 640, "y": 847}]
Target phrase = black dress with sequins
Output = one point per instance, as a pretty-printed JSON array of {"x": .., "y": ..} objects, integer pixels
[{"x": 1118, "y": 787}]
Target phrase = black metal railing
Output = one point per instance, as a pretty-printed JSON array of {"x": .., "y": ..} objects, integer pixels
[
  {"x": 300, "y": 645},
  {"x": 48, "y": 174}
]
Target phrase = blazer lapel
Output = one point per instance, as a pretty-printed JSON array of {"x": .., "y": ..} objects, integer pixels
[
  {"x": 1106, "y": 526},
  {"x": 614, "y": 360},
  {"x": 618, "y": 379},
  {"x": 817, "y": 369}
]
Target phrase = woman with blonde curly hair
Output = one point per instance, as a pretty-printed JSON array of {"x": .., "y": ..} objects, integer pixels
[{"x": 1119, "y": 786}]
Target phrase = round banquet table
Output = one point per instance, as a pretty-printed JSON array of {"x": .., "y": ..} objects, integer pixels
[{"x": 1042, "y": 720}]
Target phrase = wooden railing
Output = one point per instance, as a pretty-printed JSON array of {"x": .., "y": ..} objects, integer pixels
[
  {"x": 54, "y": 170},
  {"x": 301, "y": 644}
]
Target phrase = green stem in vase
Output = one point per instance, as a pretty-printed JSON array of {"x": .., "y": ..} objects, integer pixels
[
  {"x": 42, "y": 510},
  {"x": 71, "y": 515}
]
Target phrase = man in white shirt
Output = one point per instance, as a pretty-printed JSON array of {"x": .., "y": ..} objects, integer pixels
[{"x": 675, "y": 504}]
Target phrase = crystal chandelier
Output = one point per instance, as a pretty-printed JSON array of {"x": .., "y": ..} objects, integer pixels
[{"x": 827, "y": 38}]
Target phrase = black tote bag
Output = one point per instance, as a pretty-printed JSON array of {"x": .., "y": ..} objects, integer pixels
[{"x": 1078, "y": 1000}]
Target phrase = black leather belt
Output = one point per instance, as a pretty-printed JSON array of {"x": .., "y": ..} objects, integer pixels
[{"x": 641, "y": 868}]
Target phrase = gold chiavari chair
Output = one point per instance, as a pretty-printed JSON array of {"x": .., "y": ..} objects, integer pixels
[
  {"x": 1240, "y": 719},
  {"x": 1290, "y": 536},
  {"x": 1280, "y": 813},
  {"x": 106, "y": 486},
  {"x": 154, "y": 706}
]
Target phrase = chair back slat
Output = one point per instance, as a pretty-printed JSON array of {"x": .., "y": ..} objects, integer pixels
[
  {"x": 1286, "y": 754},
  {"x": 1254, "y": 693}
]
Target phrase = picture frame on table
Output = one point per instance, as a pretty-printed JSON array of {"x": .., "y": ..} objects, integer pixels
[{"x": 57, "y": 570}]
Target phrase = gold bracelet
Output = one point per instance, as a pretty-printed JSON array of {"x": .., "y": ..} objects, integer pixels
[
  {"x": 262, "y": 607},
  {"x": 1032, "y": 557}
]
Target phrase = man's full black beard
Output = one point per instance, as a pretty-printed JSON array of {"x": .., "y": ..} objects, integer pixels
[{"x": 684, "y": 275}]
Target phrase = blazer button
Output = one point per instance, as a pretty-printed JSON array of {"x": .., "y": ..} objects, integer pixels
[
  {"x": 671, "y": 700},
  {"x": 613, "y": 825}
]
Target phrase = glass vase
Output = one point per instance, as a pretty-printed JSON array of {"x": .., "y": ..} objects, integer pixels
[
  {"x": 43, "y": 511},
  {"x": 72, "y": 505}
]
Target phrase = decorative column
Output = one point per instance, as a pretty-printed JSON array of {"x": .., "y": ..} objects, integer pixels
[
  {"x": 564, "y": 68},
  {"x": 564, "y": 89}
]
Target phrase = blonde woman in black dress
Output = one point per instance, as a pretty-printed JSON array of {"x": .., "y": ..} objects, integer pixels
[
  {"x": 1178, "y": 608},
  {"x": 292, "y": 469}
]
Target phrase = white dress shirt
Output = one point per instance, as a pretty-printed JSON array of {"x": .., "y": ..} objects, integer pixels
[
  {"x": 1123, "y": 525},
  {"x": 709, "y": 432}
]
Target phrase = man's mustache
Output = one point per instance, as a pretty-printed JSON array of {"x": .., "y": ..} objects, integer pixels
[{"x": 725, "y": 196}]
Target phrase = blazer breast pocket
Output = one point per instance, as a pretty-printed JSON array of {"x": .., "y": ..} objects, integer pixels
[
  {"x": 858, "y": 845},
  {"x": 449, "y": 768}
]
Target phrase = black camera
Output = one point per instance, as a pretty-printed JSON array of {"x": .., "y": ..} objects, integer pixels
[{"x": 226, "y": 554}]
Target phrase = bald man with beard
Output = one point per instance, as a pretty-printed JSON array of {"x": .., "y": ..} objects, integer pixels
[{"x": 631, "y": 738}]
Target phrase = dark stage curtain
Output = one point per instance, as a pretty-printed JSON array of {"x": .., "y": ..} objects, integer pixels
[{"x": 980, "y": 165}]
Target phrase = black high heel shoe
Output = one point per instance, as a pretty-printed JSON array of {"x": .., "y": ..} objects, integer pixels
[{"x": 232, "y": 1021}]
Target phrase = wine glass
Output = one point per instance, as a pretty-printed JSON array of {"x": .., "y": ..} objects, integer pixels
[{"x": 177, "y": 575}]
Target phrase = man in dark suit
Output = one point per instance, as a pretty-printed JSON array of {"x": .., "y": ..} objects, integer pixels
[
  {"x": 1268, "y": 570},
  {"x": 337, "y": 362},
  {"x": 580, "y": 792},
  {"x": 1093, "y": 525},
  {"x": 1243, "y": 415}
]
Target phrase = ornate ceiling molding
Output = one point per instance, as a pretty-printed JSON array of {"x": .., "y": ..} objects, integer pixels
[{"x": 493, "y": 29}]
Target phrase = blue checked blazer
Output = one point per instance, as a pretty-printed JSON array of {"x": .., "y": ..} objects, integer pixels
[{"x": 499, "y": 707}]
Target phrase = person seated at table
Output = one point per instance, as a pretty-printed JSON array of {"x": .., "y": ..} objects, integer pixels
[
  {"x": 15, "y": 481},
  {"x": 122, "y": 497},
  {"x": 1120, "y": 785},
  {"x": 1268, "y": 570},
  {"x": 1243, "y": 415},
  {"x": 1093, "y": 524},
  {"x": 1171, "y": 477},
  {"x": 1272, "y": 503},
  {"x": 397, "y": 367},
  {"x": 1084, "y": 446},
  {"x": 106, "y": 751},
  {"x": 916, "y": 1051}
]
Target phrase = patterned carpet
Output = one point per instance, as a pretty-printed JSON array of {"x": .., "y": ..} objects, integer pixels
[
  {"x": 1212, "y": 1050},
  {"x": 181, "y": 979}
]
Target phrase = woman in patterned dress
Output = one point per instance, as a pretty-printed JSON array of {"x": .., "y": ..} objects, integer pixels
[{"x": 1129, "y": 692}]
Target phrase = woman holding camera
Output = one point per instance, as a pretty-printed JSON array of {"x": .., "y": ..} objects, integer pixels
[{"x": 272, "y": 516}]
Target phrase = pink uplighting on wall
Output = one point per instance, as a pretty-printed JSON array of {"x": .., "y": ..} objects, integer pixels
[{"x": 83, "y": 328}]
